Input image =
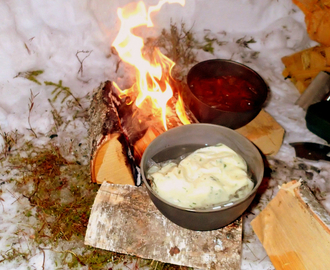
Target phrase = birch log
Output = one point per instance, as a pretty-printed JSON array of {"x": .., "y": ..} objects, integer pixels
[
  {"x": 109, "y": 158},
  {"x": 124, "y": 220}
]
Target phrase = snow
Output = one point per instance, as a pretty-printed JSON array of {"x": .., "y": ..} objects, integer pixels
[{"x": 46, "y": 35}]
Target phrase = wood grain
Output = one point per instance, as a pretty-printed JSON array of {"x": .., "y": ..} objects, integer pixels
[
  {"x": 264, "y": 132},
  {"x": 294, "y": 230}
]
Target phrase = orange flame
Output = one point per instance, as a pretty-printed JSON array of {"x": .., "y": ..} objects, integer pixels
[{"x": 152, "y": 79}]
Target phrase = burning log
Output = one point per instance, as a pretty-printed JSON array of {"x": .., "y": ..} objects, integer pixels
[
  {"x": 120, "y": 132},
  {"x": 142, "y": 125},
  {"x": 143, "y": 143},
  {"x": 120, "y": 128}
]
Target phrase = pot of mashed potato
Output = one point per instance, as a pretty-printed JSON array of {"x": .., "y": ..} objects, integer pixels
[
  {"x": 207, "y": 177},
  {"x": 201, "y": 176}
]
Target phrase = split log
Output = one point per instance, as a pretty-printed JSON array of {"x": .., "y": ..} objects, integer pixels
[
  {"x": 141, "y": 145},
  {"x": 124, "y": 220},
  {"x": 109, "y": 160},
  {"x": 294, "y": 229},
  {"x": 302, "y": 67}
]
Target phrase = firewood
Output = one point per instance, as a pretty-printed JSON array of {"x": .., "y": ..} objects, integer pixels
[
  {"x": 141, "y": 145},
  {"x": 294, "y": 229},
  {"x": 302, "y": 67},
  {"x": 141, "y": 126},
  {"x": 124, "y": 220},
  {"x": 120, "y": 132},
  {"x": 316, "y": 19},
  {"x": 109, "y": 159},
  {"x": 264, "y": 132}
]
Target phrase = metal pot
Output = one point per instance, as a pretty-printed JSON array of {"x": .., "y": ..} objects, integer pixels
[
  {"x": 175, "y": 142},
  {"x": 235, "y": 117}
]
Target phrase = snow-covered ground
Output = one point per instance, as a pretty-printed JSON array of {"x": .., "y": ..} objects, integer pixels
[{"x": 54, "y": 36}]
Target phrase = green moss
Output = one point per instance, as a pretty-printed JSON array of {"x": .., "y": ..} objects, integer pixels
[
  {"x": 62, "y": 195},
  {"x": 28, "y": 213}
]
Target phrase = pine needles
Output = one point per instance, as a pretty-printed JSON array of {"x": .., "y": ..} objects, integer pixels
[
  {"x": 65, "y": 91},
  {"x": 61, "y": 196},
  {"x": 243, "y": 42},
  {"x": 58, "y": 88},
  {"x": 31, "y": 104},
  {"x": 10, "y": 140},
  {"x": 178, "y": 44}
]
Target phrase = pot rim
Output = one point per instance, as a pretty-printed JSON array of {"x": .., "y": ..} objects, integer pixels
[{"x": 264, "y": 94}]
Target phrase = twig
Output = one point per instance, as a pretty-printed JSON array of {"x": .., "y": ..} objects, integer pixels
[
  {"x": 65, "y": 251},
  {"x": 263, "y": 259},
  {"x": 81, "y": 69},
  {"x": 56, "y": 115},
  {"x": 117, "y": 65},
  {"x": 27, "y": 48},
  {"x": 252, "y": 251},
  {"x": 17, "y": 198},
  {"x": 44, "y": 258},
  {"x": 72, "y": 253},
  {"x": 3, "y": 207},
  {"x": 31, "y": 104},
  {"x": 136, "y": 265},
  {"x": 10, "y": 140}
]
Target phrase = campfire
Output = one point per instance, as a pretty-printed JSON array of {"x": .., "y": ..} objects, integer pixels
[{"x": 125, "y": 121}]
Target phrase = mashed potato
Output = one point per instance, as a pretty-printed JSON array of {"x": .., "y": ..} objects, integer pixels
[{"x": 209, "y": 176}]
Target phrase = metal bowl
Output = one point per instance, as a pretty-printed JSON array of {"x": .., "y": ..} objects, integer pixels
[
  {"x": 180, "y": 140},
  {"x": 235, "y": 116}
]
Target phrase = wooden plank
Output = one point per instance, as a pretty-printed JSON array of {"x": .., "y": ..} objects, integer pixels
[
  {"x": 264, "y": 132},
  {"x": 294, "y": 229},
  {"x": 124, "y": 220}
]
